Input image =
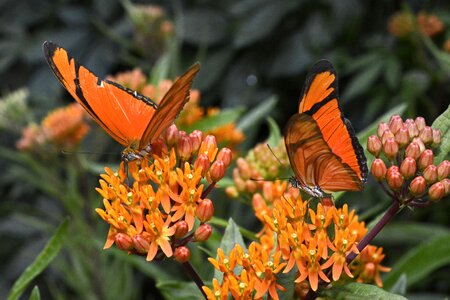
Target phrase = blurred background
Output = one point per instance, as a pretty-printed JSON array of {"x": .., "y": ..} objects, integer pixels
[{"x": 389, "y": 55}]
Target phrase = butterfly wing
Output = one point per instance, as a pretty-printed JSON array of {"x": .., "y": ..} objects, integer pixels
[
  {"x": 321, "y": 143},
  {"x": 170, "y": 106},
  {"x": 312, "y": 160},
  {"x": 121, "y": 112}
]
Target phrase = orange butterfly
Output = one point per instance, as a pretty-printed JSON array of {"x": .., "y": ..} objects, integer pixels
[
  {"x": 321, "y": 144},
  {"x": 132, "y": 119}
]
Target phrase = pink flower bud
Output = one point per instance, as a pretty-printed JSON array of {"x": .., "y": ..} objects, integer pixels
[
  {"x": 196, "y": 137},
  {"x": 182, "y": 254},
  {"x": 436, "y": 191},
  {"x": 394, "y": 179},
  {"x": 412, "y": 128},
  {"x": 408, "y": 167},
  {"x": 425, "y": 159},
  {"x": 426, "y": 134},
  {"x": 378, "y": 169},
  {"x": 225, "y": 155},
  {"x": 202, "y": 161},
  {"x": 205, "y": 210},
  {"x": 123, "y": 241},
  {"x": 417, "y": 186},
  {"x": 420, "y": 143},
  {"x": 181, "y": 229},
  {"x": 374, "y": 145},
  {"x": 436, "y": 137},
  {"x": 244, "y": 168},
  {"x": 444, "y": 169},
  {"x": 172, "y": 135},
  {"x": 413, "y": 150},
  {"x": 446, "y": 183},
  {"x": 251, "y": 186},
  {"x": 420, "y": 122},
  {"x": 386, "y": 135},
  {"x": 402, "y": 137},
  {"x": 390, "y": 148},
  {"x": 184, "y": 147},
  {"x": 217, "y": 170},
  {"x": 203, "y": 232},
  {"x": 382, "y": 127},
  {"x": 430, "y": 174},
  {"x": 141, "y": 244},
  {"x": 395, "y": 123}
]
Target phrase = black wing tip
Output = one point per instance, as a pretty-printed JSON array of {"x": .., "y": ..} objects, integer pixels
[
  {"x": 49, "y": 48},
  {"x": 321, "y": 66},
  {"x": 359, "y": 151}
]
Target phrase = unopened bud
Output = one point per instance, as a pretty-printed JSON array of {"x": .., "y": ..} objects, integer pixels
[
  {"x": 408, "y": 167},
  {"x": 420, "y": 143},
  {"x": 196, "y": 137},
  {"x": 402, "y": 137},
  {"x": 412, "y": 128},
  {"x": 386, "y": 135},
  {"x": 426, "y": 134},
  {"x": 205, "y": 210},
  {"x": 182, "y": 254},
  {"x": 203, "y": 232},
  {"x": 381, "y": 128},
  {"x": 251, "y": 186},
  {"x": 217, "y": 171},
  {"x": 231, "y": 192},
  {"x": 446, "y": 183},
  {"x": 430, "y": 174},
  {"x": 123, "y": 241},
  {"x": 244, "y": 168},
  {"x": 436, "y": 137},
  {"x": 141, "y": 244},
  {"x": 444, "y": 169},
  {"x": 209, "y": 147},
  {"x": 390, "y": 148},
  {"x": 378, "y": 169},
  {"x": 202, "y": 161},
  {"x": 417, "y": 186},
  {"x": 184, "y": 147},
  {"x": 181, "y": 229},
  {"x": 425, "y": 159},
  {"x": 436, "y": 191},
  {"x": 420, "y": 122},
  {"x": 393, "y": 178},
  {"x": 395, "y": 123},
  {"x": 413, "y": 150},
  {"x": 172, "y": 135},
  {"x": 374, "y": 145},
  {"x": 225, "y": 155}
]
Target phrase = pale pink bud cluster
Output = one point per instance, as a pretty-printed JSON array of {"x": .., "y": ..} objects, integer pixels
[{"x": 411, "y": 172}]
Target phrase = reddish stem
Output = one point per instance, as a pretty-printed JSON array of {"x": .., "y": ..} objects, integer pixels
[{"x": 194, "y": 275}]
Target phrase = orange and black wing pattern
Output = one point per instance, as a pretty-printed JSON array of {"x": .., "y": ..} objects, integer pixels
[
  {"x": 121, "y": 112},
  {"x": 324, "y": 152}
]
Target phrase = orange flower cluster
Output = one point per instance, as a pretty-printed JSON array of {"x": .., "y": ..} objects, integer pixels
[
  {"x": 260, "y": 163},
  {"x": 410, "y": 173},
  {"x": 156, "y": 215},
  {"x": 227, "y": 135},
  {"x": 64, "y": 127},
  {"x": 314, "y": 240},
  {"x": 403, "y": 24}
]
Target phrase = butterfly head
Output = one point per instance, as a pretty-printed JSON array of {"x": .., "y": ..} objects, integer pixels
[
  {"x": 132, "y": 153},
  {"x": 313, "y": 191}
]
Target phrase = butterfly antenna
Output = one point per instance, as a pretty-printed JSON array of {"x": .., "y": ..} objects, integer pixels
[
  {"x": 69, "y": 152},
  {"x": 273, "y": 153}
]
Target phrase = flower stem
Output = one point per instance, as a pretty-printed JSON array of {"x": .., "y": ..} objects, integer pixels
[
  {"x": 208, "y": 189},
  {"x": 194, "y": 275},
  {"x": 387, "y": 217}
]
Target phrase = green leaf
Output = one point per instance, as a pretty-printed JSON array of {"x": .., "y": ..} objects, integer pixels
[
  {"x": 287, "y": 280},
  {"x": 400, "y": 286},
  {"x": 357, "y": 291},
  {"x": 392, "y": 73},
  {"x": 443, "y": 123},
  {"x": 421, "y": 261},
  {"x": 41, "y": 262},
  {"x": 35, "y": 294},
  {"x": 442, "y": 57},
  {"x": 244, "y": 232},
  {"x": 274, "y": 133},
  {"x": 225, "y": 116},
  {"x": 362, "y": 81},
  {"x": 253, "y": 117},
  {"x": 178, "y": 290},
  {"x": 231, "y": 237}
]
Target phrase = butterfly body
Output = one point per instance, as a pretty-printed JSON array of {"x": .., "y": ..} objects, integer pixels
[
  {"x": 132, "y": 119},
  {"x": 323, "y": 150}
]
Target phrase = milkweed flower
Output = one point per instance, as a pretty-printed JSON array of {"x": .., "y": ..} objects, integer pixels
[
  {"x": 63, "y": 127},
  {"x": 409, "y": 169},
  {"x": 158, "y": 211}
]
